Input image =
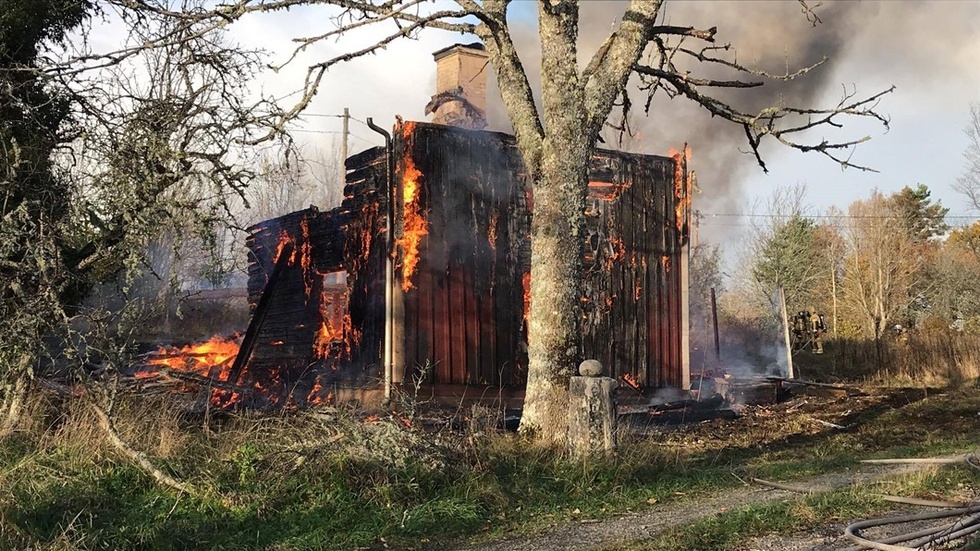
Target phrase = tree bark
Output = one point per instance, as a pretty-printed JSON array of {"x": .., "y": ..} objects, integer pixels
[
  {"x": 557, "y": 225},
  {"x": 556, "y": 146}
]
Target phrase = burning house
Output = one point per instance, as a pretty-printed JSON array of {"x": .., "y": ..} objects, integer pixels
[{"x": 422, "y": 273}]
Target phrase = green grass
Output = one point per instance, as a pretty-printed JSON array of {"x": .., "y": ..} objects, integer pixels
[
  {"x": 732, "y": 529},
  {"x": 280, "y": 483}
]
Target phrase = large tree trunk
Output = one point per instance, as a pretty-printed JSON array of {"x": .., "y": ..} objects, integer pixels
[
  {"x": 556, "y": 148},
  {"x": 554, "y": 330},
  {"x": 554, "y": 321}
]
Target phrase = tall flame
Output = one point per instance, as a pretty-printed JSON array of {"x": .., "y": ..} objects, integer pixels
[
  {"x": 325, "y": 336},
  {"x": 682, "y": 187},
  {"x": 284, "y": 240},
  {"x": 415, "y": 225},
  {"x": 306, "y": 258}
]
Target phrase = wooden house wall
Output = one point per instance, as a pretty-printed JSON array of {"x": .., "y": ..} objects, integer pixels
[
  {"x": 632, "y": 269},
  {"x": 284, "y": 336},
  {"x": 364, "y": 251},
  {"x": 349, "y": 238},
  {"x": 464, "y": 315}
]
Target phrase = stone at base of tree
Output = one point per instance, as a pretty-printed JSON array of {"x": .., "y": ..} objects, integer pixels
[
  {"x": 590, "y": 368},
  {"x": 591, "y": 417}
]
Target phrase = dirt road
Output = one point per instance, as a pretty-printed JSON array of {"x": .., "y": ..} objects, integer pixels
[{"x": 609, "y": 534}]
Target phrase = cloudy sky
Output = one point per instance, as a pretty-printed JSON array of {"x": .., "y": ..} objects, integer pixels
[{"x": 929, "y": 50}]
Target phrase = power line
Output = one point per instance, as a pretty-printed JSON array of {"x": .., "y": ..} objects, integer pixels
[
  {"x": 351, "y": 134},
  {"x": 329, "y": 116},
  {"x": 826, "y": 216}
]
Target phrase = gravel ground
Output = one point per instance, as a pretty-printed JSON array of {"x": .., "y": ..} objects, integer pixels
[{"x": 611, "y": 533}]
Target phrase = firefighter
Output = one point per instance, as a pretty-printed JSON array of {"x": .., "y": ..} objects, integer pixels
[
  {"x": 800, "y": 328},
  {"x": 817, "y": 329}
]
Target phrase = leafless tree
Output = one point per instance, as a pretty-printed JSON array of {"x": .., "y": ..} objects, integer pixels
[
  {"x": 884, "y": 265},
  {"x": 151, "y": 141},
  {"x": 556, "y": 140},
  {"x": 969, "y": 183}
]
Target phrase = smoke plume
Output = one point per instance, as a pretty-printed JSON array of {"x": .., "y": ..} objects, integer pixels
[{"x": 864, "y": 43}]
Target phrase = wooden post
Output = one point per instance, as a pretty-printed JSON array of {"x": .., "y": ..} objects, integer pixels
[
  {"x": 833, "y": 293},
  {"x": 591, "y": 413},
  {"x": 714, "y": 323},
  {"x": 345, "y": 133},
  {"x": 789, "y": 344},
  {"x": 685, "y": 268}
]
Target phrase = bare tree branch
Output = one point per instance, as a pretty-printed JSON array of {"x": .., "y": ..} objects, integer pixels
[
  {"x": 613, "y": 63},
  {"x": 515, "y": 88},
  {"x": 969, "y": 183},
  {"x": 708, "y": 35},
  {"x": 766, "y": 122},
  {"x": 810, "y": 12}
]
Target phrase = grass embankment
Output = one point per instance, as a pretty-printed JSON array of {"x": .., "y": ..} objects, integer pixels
[{"x": 331, "y": 480}]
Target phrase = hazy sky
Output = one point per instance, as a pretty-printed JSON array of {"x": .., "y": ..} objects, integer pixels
[{"x": 929, "y": 50}]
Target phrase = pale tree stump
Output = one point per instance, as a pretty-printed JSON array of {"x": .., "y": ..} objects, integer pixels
[{"x": 591, "y": 413}]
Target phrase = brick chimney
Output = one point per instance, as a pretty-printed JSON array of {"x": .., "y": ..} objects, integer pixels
[{"x": 461, "y": 86}]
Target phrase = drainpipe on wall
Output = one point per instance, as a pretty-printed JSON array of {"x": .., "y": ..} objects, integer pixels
[
  {"x": 389, "y": 260},
  {"x": 685, "y": 268}
]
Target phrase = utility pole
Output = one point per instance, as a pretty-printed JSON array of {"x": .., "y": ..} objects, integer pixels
[
  {"x": 789, "y": 345},
  {"x": 343, "y": 150}
]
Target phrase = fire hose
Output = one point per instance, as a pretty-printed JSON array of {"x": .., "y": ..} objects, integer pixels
[{"x": 967, "y": 522}]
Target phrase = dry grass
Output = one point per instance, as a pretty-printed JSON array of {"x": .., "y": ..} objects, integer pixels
[
  {"x": 333, "y": 478},
  {"x": 939, "y": 358}
]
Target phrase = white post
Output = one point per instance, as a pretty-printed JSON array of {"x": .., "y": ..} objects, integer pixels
[{"x": 789, "y": 344}]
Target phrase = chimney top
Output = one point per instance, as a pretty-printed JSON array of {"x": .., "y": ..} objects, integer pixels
[
  {"x": 439, "y": 54},
  {"x": 461, "y": 82}
]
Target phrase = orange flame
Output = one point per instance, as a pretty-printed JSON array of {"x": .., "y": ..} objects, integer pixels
[
  {"x": 607, "y": 191},
  {"x": 283, "y": 241},
  {"x": 316, "y": 396},
  {"x": 211, "y": 359},
  {"x": 306, "y": 257},
  {"x": 335, "y": 323},
  {"x": 325, "y": 336},
  {"x": 617, "y": 251},
  {"x": 199, "y": 358},
  {"x": 414, "y": 224},
  {"x": 682, "y": 187},
  {"x": 492, "y": 234}
]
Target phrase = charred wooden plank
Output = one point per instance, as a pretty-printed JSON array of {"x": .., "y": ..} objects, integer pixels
[
  {"x": 248, "y": 342},
  {"x": 457, "y": 325},
  {"x": 471, "y": 316},
  {"x": 366, "y": 157}
]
